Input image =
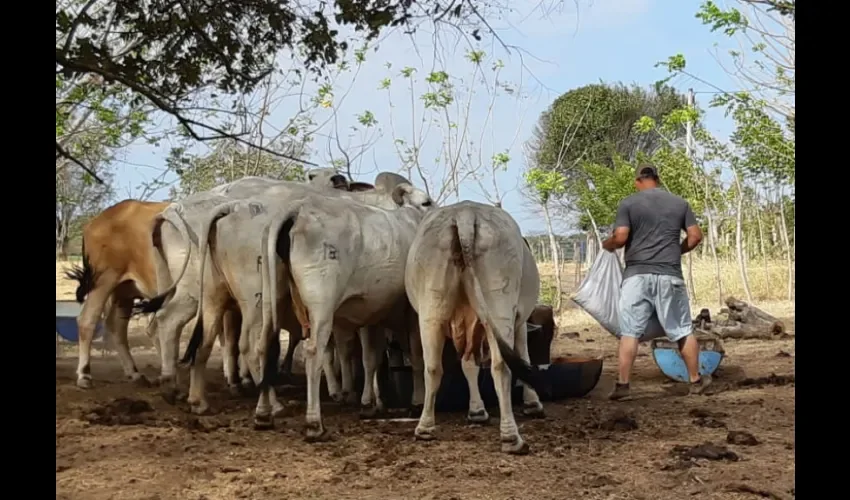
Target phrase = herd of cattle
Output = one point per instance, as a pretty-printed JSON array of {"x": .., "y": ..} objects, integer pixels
[{"x": 329, "y": 261}]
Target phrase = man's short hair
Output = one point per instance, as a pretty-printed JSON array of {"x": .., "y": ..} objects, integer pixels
[{"x": 646, "y": 171}]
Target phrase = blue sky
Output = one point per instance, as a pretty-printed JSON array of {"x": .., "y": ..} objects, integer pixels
[{"x": 576, "y": 44}]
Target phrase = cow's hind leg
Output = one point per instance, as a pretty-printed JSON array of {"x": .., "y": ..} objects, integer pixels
[
  {"x": 330, "y": 359},
  {"x": 345, "y": 353},
  {"x": 477, "y": 413},
  {"x": 232, "y": 321},
  {"x": 418, "y": 364},
  {"x": 512, "y": 442},
  {"x": 372, "y": 343},
  {"x": 169, "y": 323},
  {"x": 117, "y": 322},
  {"x": 433, "y": 341},
  {"x": 212, "y": 322},
  {"x": 87, "y": 322},
  {"x": 532, "y": 407},
  {"x": 321, "y": 325},
  {"x": 268, "y": 405}
]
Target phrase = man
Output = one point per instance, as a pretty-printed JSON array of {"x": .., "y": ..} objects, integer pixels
[{"x": 649, "y": 225}]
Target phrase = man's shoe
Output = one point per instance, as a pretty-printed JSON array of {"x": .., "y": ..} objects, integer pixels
[
  {"x": 700, "y": 385},
  {"x": 620, "y": 391}
]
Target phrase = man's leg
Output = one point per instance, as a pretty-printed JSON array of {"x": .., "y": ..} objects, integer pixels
[
  {"x": 674, "y": 313},
  {"x": 635, "y": 308}
]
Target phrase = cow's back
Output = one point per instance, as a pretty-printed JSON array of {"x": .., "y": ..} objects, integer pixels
[{"x": 119, "y": 239}]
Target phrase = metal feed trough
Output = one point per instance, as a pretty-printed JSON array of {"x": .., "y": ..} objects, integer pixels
[{"x": 66, "y": 322}]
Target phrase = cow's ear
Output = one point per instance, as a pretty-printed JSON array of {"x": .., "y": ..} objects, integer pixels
[
  {"x": 398, "y": 194},
  {"x": 360, "y": 186}
]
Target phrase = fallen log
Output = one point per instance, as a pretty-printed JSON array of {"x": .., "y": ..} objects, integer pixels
[
  {"x": 742, "y": 312},
  {"x": 740, "y": 330}
]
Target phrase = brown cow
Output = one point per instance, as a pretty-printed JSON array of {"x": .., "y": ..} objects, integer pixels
[{"x": 118, "y": 267}]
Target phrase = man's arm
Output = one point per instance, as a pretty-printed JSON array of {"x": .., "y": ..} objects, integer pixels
[
  {"x": 621, "y": 229},
  {"x": 694, "y": 233}
]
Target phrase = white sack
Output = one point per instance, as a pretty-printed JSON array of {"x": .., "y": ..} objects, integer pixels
[{"x": 599, "y": 295}]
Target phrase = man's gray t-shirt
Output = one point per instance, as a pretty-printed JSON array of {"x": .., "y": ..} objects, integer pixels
[{"x": 655, "y": 219}]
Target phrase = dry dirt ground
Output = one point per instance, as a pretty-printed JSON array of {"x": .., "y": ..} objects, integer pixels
[{"x": 121, "y": 441}]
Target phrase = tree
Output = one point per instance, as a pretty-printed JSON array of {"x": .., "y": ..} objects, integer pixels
[
  {"x": 765, "y": 66},
  {"x": 162, "y": 52},
  {"x": 92, "y": 124},
  {"x": 447, "y": 104},
  {"x": 593, "y": 124},
  {"x": 78, "y": 197},
  {"x": 543, "y": 186}
]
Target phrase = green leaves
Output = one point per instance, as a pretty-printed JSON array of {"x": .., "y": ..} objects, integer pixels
[
  {"x": 673, "y": 63},
  {"x": 442, "y": 95},
  {"x": 367, "y": 119},
  {"x": 729, "y": 21},
  {"x": 545, "y": 183}
]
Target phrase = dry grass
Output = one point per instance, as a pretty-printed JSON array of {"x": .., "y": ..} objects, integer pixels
[
  {"x": 768, "y": 285},
  {"x": 65, "y": 288}
]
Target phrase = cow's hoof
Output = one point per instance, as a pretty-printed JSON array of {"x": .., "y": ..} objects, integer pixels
[
  {"x": 84, "y": 382},
  {"x": 263, "y": 422},
  {"x": 235, "y": 390},
  {"x": 351, "y": 398},
  {"x": 424, "y": 434},
  {"x": 533, "y": 410},
  {"x": 478, "y": 417},
  {"x": 201, "y": 408},
  {"x": 248, "y": 384},
  {"x": 140, "y": 380},
  {"x": 164, "y": 380},
  {"x": 278, "y": 409},
  {"x": 172, "y": 395},
  {"x": 514, "y": 445},
  {"x": 368, "y": 412},
  {"x": 337, "y": 397},
  {"x": 315, "y": 432},
  {"x": 415, "y": 411}
]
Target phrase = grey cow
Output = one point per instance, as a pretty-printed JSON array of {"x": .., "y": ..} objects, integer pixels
[
  {"x": 470, "y": 275},
  {"x": 344, "y": 264},
  {"x": 176, "y": 306},
  {"x": 235, "y": 284}
]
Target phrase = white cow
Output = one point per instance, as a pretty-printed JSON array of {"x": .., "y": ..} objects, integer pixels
[
  {"x": 345, "y": 267},
  {"x": 235, "y": 283},
  {"x": 176, "y": 306},
  {"x": 470, "y": 276}
]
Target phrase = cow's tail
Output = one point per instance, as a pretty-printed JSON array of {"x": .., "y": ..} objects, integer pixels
[
  {"x": 279, "y": 228},
  {"x": 197, "y": 338},
  {"x": 154, "y": 304},
  {"x": 83, "y": 274},
  {"x": 465, "y": 229}
]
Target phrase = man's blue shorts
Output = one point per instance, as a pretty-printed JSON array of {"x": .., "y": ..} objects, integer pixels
[{"x": 667, "y": 295}]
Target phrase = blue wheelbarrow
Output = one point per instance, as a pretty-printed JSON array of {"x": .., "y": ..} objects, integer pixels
[
  {"x": 66, "y": 322},
  {"x": 667, "y": 358}
]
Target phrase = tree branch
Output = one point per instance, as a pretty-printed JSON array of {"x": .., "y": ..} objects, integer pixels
[
  {"x": 63, "y": 153},
  {"x": 161, "y": 103}
]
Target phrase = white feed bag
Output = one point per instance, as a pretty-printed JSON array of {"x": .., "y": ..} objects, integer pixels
[{"x": 599, "y": 294}]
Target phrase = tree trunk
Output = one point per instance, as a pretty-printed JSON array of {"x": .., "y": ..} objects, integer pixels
[
  {"x": 553, "y": 244},
  {"x": 712, "y": 243},
  {"x": 762, "y": 245},
  {"x": 784, "y": 232},
  {"x": 693, "y": 291},
  {"x": 739, "y": 237},
  {"x": 595, "y": 229},
  {"x": 577, "y": 263},
  {"x": 590, "y": 250}
]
